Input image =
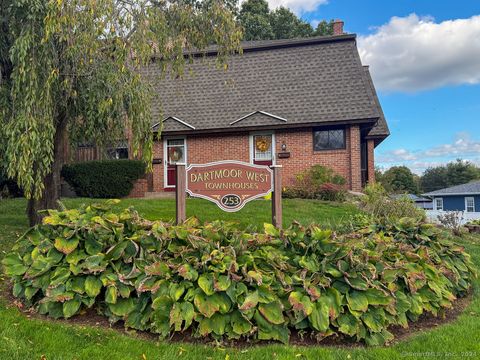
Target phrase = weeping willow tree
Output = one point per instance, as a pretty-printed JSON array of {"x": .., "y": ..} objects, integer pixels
[{"x": 69, "y": 73}]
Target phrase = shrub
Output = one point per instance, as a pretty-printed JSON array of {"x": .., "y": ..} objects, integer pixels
[
  {"x": 218, "y": 281},
  {"x": 103, "y": 178},
  {"x": 377, "y": 203},
  {"x": 452, "y": 220},
  {"x": 318, "y": 182}
]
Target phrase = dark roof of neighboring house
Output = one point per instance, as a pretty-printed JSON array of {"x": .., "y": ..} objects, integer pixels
[
  {"x": 472, "y": 188},
  {"x": 273, "y": 84}
]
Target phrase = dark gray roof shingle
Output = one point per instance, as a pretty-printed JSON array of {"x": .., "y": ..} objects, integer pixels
[
  {"x": 472, "y": 188},
  {"x": 306, "y": 81}
]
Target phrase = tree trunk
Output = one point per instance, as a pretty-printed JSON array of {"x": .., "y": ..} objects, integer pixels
[{"x": 51, "y": 193}]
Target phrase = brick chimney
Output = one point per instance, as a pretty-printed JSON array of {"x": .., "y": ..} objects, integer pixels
[{"x": 338, "y": 27}]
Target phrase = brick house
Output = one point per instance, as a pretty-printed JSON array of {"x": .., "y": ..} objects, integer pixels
[{"x": 294, "y": 103}]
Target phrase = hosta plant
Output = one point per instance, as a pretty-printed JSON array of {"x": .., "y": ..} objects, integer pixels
[{"x": 215, "y": 280}]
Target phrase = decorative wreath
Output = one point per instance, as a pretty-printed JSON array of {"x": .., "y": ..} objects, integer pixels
[
  {"x": 176, "y": 153},
  {"x": 263, "y": 143}
]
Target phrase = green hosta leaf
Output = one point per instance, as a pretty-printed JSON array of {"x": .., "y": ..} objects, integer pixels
[
  {"x": 111, "y": 295},
  {"x": 216, "y": 324},
  {"x": 71, "y": 307},
  {"x": 240, "y": 325},
  {"x": 30, "y": 292},
  {"x": 357, "y": 282},
  {"x": 60, "y": 276},
  {"x": 93, "y": 285},
  {"x": 273, "y": 312},
  {"x": 93, "y": 247},
  {"x": 269, "y": 331},
  {"x": 116, "y": 251},
  {"x": 157, "y": 268},
  {"x": 300, "y": 302},
  {"x": 176, "y": 291},
  {"x": 378, "y": 297},
  {"x": 403, "y": 304},
  {"x": 319, "y": 318},
  {"x": 205, "y": 282},
  {"x": 378, "y": 339},
  {"x": 122, "y": 307},
  {"x": 66, "y": 246},
  {"x": 221, "y": 283},
  {"x": 77, "y": 285},
  {"x": 374, "y": 319},
  {"x": 76, "y": 256},
  {"x": 347, "y": 324},
  {"x": 250, "y": 301},
  {"x": 187, "y": 272},
  {"x": 162, "y": 305},
  {"x": 206, "y": 305},
  {"x": 271, "y": 230},
  {"x": 265, "y": 295},
  {"x": 357, "y": 301},
  {"x": 181, "y": 312},
  {"x": 14, "y": 265}
]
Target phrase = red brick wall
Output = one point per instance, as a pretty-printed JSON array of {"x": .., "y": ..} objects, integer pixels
[
  {"x": 140, "y": 187},
  {"x": 302, "y": 156},
  {"x": 371, "y": 161},
  {"x": 355, "y": 164},
  {"x": 299, "y": 142}
]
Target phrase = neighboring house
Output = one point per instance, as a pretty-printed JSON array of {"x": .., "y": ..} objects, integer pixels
[
  {"x": 464, "y": 197},
  {"x": 461, "y": 198},
  {"x": 294, "y": 103},
  {"x": 420, "y": 202}
]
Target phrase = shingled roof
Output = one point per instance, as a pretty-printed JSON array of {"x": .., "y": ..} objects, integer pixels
[
  {"x": 472, "y": 188},
  {"x": 273, "y": 84}
]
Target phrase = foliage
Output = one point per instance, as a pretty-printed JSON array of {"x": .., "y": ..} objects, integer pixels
[
  {"x": 73, "y": 68},
  {"x": 103, "y": 178},
  {"x": 222, "y": 282},
  {"x": 455, "y": 173},
  {"x": 399, "y": 180},
  {"x": 452, "y": 220},
  {"x": 261, "y": 23},
  {"x": 318, "y": 182},
  {"x": 377, "y": 203}
]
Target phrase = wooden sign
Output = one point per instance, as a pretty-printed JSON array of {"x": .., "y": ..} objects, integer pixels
[{"x": 229, "y": 184}]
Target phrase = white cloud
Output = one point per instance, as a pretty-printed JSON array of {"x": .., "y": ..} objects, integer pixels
[
  {"x": 415, "y": 53},
  {"x": 297, "y": 6},
  {"x": 463, "y": 146}
]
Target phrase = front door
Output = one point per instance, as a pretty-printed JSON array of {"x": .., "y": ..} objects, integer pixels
[
  {"x": 263, "y": 149},
  {"x": 175, "y": 152}
]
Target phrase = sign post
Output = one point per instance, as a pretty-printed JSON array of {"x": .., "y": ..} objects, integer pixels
[
  {"x": 180, "y": 193},
  {"x": 230, "y": 185},
  {"x": 277, "y": 196}
]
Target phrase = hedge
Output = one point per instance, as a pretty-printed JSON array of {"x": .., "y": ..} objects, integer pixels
[
  {"x": 214, "y": 280},
  {"x": 103, "y": 178}
]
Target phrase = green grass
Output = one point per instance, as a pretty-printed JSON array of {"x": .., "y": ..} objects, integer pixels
[{"x": 26, "y": 338}]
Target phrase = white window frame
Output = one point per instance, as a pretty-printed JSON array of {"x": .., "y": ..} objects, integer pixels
[
  {"x": 467, "y": 198},
  {"x": 438, "y": 208},
  {"x": 274, "y": 146},
  {"x": 165, "y": 157}
]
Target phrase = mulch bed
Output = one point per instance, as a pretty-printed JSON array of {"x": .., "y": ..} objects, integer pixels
[{"x": 91, "y": 318}]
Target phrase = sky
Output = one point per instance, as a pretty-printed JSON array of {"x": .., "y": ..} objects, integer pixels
[{"x": 424, "y": 56}]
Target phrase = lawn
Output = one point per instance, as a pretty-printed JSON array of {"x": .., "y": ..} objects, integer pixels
[{"x": 26, "y": 338}]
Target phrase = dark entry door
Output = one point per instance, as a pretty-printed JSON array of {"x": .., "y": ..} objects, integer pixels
[
  {"x": 175, "y": 153},
  {"x": 263, "y": 149}
]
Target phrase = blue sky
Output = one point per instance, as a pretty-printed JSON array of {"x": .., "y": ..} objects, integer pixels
[{"x": 424, "y": 56}]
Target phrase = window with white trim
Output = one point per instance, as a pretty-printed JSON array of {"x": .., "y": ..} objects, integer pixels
[
  {"x": 439, "y": 204},
  {"x": 470, "y": 204}
]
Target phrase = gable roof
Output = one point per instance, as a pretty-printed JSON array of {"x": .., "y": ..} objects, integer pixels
[
  {"x": 310, "y": 81},
  {"x": 472, "y": 188}
]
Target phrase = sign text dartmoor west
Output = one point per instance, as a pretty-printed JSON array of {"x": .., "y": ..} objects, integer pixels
[{"x": 230, "y": 184}]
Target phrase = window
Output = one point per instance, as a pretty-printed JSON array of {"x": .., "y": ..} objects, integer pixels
[
  {"x": 470, "y": 204},
  {"x": 328, "y": 139},
  {"x": 118, "y": 152},
  {"x": 439, "y": 204}
]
